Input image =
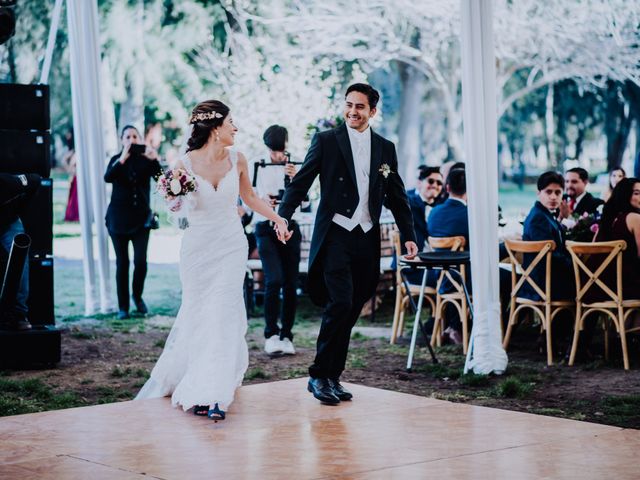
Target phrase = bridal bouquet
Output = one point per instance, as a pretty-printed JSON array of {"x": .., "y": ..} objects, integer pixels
[{"x": 176, "y": 183}]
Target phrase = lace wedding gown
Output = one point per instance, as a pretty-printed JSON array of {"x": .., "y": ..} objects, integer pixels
[{"x": 205, "y": 356}]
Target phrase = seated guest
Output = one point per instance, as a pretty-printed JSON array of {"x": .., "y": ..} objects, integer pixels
[
  {"x": 414, "y": 191},
  {"x": 450, "y": 219},
  {"x": 615, "y": 175},
  {"x": 427, "y": 196},
  {"x": 542, "y": 224},
  {"x": 578, "y": 200},
  {"x": 621, "y": 221}
]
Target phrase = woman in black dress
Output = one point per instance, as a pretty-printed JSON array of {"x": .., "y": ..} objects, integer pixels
[{"x": 129, "y": 213}]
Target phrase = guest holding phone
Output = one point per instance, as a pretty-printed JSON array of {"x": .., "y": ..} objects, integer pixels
[{"x": 129, "y": 216}]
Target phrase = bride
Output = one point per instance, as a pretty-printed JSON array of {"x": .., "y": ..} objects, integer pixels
[{"x": 205, "y": 355}]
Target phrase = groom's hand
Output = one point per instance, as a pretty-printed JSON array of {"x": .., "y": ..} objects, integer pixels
[{"x": 412, "y": 250}]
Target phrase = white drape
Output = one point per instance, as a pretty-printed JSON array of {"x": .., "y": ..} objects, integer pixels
[
  {"x": 485, "y": 353},
  {"x": 84, "y": 49}
]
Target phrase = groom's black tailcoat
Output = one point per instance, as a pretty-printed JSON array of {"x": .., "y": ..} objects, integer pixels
[{"x": 330, "y": 157}]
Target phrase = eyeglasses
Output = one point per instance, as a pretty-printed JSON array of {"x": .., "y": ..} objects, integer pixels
[{"x": 431, "y": 181}]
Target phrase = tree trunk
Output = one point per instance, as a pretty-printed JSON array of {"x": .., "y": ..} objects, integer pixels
[
  {"x": 549, "y": 126},
  {"x": 410, "y": 122},
  {"x": 11, "y": 60},
  {"x": 617, "y": 125}
]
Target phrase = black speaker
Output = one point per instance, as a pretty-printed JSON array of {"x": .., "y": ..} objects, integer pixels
[
  {"x": 23, "y": 151},
  {"x": 40, "y": 302},
  {"x": 37, "y": 218},
  {"x": 24, "y": 107},
  {"x": 39, "y": 346}
]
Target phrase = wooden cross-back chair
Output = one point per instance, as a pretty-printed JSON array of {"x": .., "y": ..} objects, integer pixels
[
  {"x": 614, "y": 308},
  {"x": 457, "y": 298},
  {"x": 402, "y": 296},
  {"x": 545, "y": 308}
]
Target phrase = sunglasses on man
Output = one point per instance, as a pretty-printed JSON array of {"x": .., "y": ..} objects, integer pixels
[{"x": 431, "y": 181}]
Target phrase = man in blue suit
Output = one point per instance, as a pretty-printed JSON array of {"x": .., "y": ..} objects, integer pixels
[
  {"x": 451, "y": 219},
  {"x": 542, "y": 224},
  {"x": 426, "y": 196}
]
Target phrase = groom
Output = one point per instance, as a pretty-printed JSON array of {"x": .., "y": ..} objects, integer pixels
[{"x": 358, "y": 174}]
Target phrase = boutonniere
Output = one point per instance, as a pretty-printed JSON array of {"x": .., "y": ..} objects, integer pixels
[{"x": 385, "y": 170}]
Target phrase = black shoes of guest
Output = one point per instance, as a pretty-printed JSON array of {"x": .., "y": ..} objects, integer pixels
[
  {"x": 123, "y": 315},
  {"x": 141, "y": 307},
  {"x": 339, "y": 391},
  {"x": 14, "y": 321},
  {"x": 322, "y": 390}
]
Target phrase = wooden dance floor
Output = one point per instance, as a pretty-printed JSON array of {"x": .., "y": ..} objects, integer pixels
[{"x": 278, "y": 431}]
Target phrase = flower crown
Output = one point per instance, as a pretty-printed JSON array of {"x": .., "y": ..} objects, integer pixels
[{"x": 198, "y": 117}]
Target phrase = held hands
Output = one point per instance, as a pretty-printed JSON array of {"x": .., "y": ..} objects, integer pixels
[
  {"x": 412, "y": 250},
  {"x": 282, "y": 230}
]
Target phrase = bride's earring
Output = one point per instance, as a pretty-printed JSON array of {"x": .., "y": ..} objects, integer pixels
[{"x": 217, "y": 136}]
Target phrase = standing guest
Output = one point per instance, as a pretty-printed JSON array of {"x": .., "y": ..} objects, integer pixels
[
  {"x": 542, "y": 224},
  {"x": 280, "y": 262},
  {"x": 15, "y": 193},
  {"x": 72, "y": 213},
  {"x": 621, "y": 221},
  {"x": 153, "y": 135},
  {"x": 615, "y": 175},
  {"x": 128, "y": 214},
  {"x": 578, "y": 200}
]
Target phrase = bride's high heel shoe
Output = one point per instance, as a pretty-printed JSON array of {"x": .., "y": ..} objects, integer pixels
[
  {"x": 201, "y": 410},
  {"x": 215, "y": 413}
]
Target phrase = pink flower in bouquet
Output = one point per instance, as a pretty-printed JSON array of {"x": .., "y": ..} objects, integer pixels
[
  {"x": 176, "y": 183},
  {"x": 594, "y": 228}
]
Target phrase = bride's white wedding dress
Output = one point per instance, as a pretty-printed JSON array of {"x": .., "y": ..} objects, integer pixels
[{"x": 205, "y": 356}]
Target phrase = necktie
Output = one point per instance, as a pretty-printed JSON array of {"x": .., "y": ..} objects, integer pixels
[{"x": 572, "y": 204}]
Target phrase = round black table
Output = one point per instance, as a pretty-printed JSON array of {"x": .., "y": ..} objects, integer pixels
[{"x": 438, "y": 260}]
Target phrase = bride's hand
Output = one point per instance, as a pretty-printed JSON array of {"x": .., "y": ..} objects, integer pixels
[{"x": 282, "y": 230}]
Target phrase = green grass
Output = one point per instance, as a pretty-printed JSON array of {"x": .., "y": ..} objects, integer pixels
[
  {"x": 621, "y": 409},
  {"x": 256, "y": 373},
  {"x": 513, "y": 388},
  {"x": 473, "y": 380},
  {"x": 33, "y": 395}
]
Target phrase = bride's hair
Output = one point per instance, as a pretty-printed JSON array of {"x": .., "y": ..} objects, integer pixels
[{"x": 205, "y": 117}]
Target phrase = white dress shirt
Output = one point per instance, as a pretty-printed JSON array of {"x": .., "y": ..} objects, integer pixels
[{"x": 361, "y": 151}]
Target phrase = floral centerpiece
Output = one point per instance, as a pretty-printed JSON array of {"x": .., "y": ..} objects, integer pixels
[
  {"x": 581, "y": 228},
  {"x": 175, "y": 184}
]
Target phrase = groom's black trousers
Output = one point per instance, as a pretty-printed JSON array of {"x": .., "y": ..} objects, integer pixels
[{"x": 350, "y": 268}]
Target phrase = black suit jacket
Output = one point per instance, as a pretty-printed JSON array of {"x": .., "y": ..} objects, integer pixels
[
  {"x": 588, "y": 204},
  {"x": 541, "y": 224},
  {"x": 129, "y": 207},
  {"x": 330, "y": 157},
  {"x": 15, "y": 192}
]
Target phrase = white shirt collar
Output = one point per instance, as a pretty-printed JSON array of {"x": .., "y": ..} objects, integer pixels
[
  {"x": 355, "y": 135},
  {"x": 579, "y": 198}
]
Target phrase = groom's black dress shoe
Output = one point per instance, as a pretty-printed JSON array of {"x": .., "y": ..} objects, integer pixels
[
  {"x": 322, "y": 390},
  {"x": 339, "y": 391}
]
